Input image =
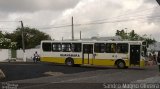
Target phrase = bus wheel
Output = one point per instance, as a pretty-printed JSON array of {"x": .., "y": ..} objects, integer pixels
[
  {"x": 77, "y": 65},
  {"x": 69, "y": 62},
  {"x": 121, "y": 64}
]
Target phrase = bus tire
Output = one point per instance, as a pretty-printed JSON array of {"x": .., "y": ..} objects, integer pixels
[
  {"x": 77, "y": 65},
  {"x": 126, "y": 67},
  {"x": 121, "y": 64},
  {"x": 69, "y": 62}
]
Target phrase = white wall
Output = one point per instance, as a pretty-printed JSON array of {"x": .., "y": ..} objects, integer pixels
[
  {"x": 29, "y": 53},
  {"x": 5, "y": 54}
]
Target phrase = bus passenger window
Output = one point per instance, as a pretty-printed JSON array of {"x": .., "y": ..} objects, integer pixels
[
  {"x": 110, "y": 47},
  {"x": 99, "y": 47},
  {"x": 66, "y": 47},
  {"x": 122, "y": 48},
  {"x": 46, "y": 46},
  {"x": 56, "y": 47},
  {"x": 76, "y": 47}
]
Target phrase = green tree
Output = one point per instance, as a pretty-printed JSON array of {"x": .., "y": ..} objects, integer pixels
[
  {"x": 6, "y": 43},
  {"x": 122, "y": 34},
  {"x": 132, "y": 36},
  {"x": 32, "y": 37},
  {"x": 1, "y": 34}
]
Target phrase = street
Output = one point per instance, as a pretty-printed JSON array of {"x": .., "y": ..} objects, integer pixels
[
  {"x": 21, "y": 71},
  {"x": 31, "y": 76}
]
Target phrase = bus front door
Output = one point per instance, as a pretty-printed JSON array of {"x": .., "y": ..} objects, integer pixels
[
  {"x": 87, "y": 54},
  {"x": 135, "y": 54}
]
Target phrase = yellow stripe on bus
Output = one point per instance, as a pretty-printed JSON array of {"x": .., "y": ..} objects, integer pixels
[{"x": 103, "y": 62}]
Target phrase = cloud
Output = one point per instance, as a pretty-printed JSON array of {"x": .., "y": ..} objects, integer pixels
[
  {"x": 35, "y": 5},
  {"x": 34, "y": 13},
  {"x": 84, "y": 12},
  {"x": 150, "y": 1},
  {"x": 110, "y": 11},
  {"x": 109, "y": 15},
  {"x": 3, "y": 15}
]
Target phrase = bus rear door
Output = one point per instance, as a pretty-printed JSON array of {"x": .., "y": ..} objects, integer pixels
[
  {"x": 87, "y": 54},
  {"x": 135, "y": 54}
]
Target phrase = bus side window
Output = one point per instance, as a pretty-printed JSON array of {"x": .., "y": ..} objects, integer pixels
[
  {"x": 66, "y": 47},
  {"x": 76, "y": 47},
  {"x": 110, "y": 47},
  {"x": 99, "y": 47},
  {"x": 56, "y": 47},
  {"x": 122, "y": 48},
  {"x": 46, "y": 46}
]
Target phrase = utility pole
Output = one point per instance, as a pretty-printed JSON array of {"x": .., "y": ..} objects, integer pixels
[
  {"x": 23, "y": 44},
  {"x": 72, "y": 29},
  {"x": 80, "y": 35}
]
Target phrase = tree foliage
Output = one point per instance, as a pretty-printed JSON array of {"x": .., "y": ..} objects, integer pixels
[
  {"x": 32, "y": 37},
  {"x": 1, "y": 34},
  {"x": 6, "y": 43},
  {"x": 132, "y": 36}
]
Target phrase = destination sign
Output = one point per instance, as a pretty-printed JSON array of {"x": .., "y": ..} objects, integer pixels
[{"x": 70, "y": 55}]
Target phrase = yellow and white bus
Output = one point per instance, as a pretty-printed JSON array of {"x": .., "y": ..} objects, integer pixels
[{"x": 122, "y": 54}]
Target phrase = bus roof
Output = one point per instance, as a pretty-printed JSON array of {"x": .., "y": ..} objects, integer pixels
[{"x": 92, "y": 41}]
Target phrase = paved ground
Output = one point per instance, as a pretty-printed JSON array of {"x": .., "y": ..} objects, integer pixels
[
  {"x": 21, "y": 71},
  {"x": 75, "y": 77}
]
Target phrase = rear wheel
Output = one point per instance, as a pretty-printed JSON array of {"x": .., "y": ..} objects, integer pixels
[
  {"x": 69, "y": 62},
  {"x": 126, "y": 67},
  {"x": 77, "y": 65},
  {"x": 121, "y": 65}
]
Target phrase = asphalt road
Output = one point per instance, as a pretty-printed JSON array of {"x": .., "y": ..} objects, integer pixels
[
  {"x": 31, "y": 76},
  {"x": 21, "y": 71}
]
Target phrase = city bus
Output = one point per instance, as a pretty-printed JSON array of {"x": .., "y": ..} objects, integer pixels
[{"x": 122, "y": 54}]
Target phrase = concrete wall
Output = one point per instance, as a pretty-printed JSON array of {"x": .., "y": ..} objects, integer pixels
[
  {"x": 5, "y": 54},
  {"x": 29, "y": 53}
]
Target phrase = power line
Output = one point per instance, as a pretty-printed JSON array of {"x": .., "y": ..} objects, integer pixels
[
  {"x": 9, "y": 21},
  {"x": 112, "y": 18},
  {"x": 7, "y": 28},
  {"x": 55, "y": 27},
  {"x": 123, "y": 20},
  {"x": 94, "y": 23},
  {"x": 124, "y": 15},
  {"x": 104, "y": 22},
  {"x": 101, "y": 21}
]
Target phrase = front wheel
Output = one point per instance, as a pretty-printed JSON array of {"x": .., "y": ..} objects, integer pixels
[
  {"x": 121, "y": 64},
  {"x": 69, "y": 62}
]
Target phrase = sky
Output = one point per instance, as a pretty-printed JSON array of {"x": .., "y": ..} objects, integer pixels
[{"x": 91, "y": 17}]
